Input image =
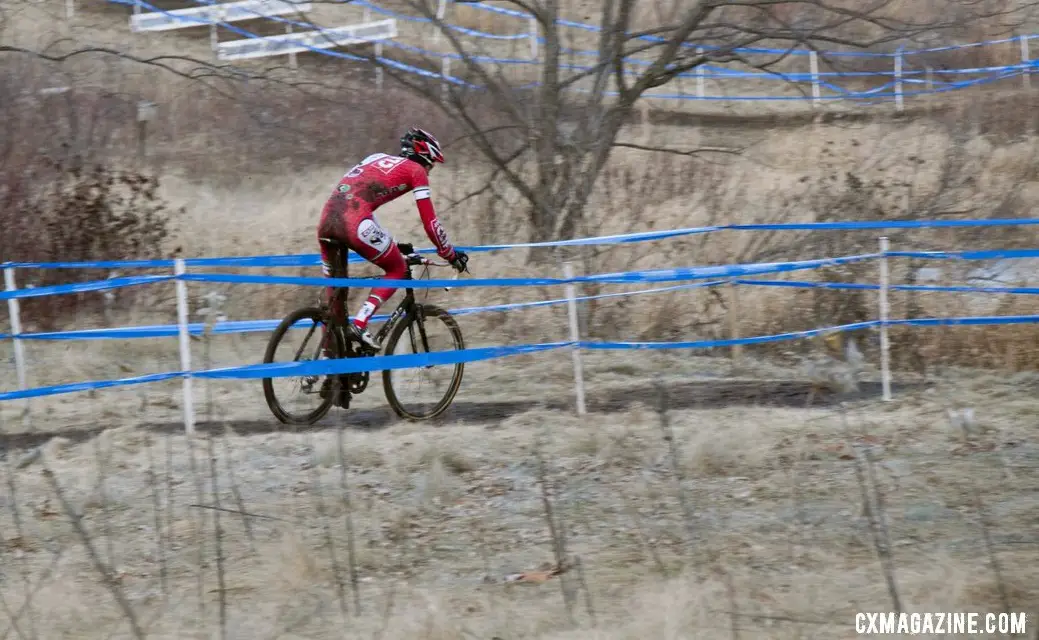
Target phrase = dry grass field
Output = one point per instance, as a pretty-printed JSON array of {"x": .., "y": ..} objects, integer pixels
[
  {"x": 702, "y": 496},
  {"x": 740, "y": 512}
]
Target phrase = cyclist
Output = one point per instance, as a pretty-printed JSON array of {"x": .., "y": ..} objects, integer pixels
[{"x": 349, "y": 218}]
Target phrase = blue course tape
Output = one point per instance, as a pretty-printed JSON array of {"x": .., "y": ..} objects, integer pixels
[
  {"x": 965, "y": 321},
  {"x": 851, "y": 54},
  {"x": 893, "y": 287},
  {"x": 379, "y": 363},
  {"x": 728, "y": 342},
  {"x": 308, "y": 260},
  {"x": 288, "y": 369},
  {"x": 841, "y": 93},
  {"x": 996, "y": 254},
  {"x": 85, "y": 386},
  {"x": 657, "y": 275},
  {"x": 82, "y": 287},
  {"x": 258, "y": 326}
]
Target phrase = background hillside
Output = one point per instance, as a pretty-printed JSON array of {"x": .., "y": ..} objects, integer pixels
[{"x": 706, "y": 494}]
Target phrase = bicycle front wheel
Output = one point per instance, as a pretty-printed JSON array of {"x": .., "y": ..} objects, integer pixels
[
  {"x": 422, "y": 393},
  {"x": 306, "y": 399}
]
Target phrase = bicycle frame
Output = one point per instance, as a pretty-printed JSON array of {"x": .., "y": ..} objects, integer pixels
[{"x": 406, "y": 306}]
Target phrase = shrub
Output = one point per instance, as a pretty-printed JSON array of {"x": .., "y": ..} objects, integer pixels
[{"x": 69, "y": 212}]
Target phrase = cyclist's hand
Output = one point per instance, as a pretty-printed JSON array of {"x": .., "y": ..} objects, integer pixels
[
  {"x": 406, "y": 248},
  {"x": 460, "y": 261}
]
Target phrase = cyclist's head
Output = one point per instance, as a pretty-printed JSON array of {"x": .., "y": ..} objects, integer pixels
[{"x": 422, "y": 147}]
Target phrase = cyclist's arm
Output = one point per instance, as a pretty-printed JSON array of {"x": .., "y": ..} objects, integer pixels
[{"x": 430, "y": 222}]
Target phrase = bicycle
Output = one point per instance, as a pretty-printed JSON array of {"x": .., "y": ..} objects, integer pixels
[{"x": 336, "y": 342}]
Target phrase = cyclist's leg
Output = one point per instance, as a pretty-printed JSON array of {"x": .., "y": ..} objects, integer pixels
[
  {"x": 376, "y": 245},
  {"x": 332, "y": 240}
]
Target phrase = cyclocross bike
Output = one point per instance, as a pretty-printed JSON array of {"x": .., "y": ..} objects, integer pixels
[{"x": 411, "y": 328}]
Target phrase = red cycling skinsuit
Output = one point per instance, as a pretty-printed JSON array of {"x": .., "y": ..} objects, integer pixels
[{"x": 348, "y": 217}]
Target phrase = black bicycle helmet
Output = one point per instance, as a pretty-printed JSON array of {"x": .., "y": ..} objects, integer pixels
[{"x": 421, "y": 146}]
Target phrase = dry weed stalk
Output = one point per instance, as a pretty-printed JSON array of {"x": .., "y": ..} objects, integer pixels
[
  {"x": 555, "y": 530},
  {"x": 582, "y": 580},
  {"x": 990, "y": 548},
  {"x": 170, "y": 502},
  {"x": 30, "y": 594},
  {"x": 235, "y": 492},
  {"x": 875, "y": 514},
  {"x": 326, "y": 527},
  {"x": 218, "y": 536},
  {"x": 730, "y": 591},
  {"x": 19, "y": 529},
  {"x": 644, "y": 539},
  {"x": 107, "y": 578},
  {"x": 663, "y": 400},
  {"x": 348, "y": 514},
  {"x": 160, "y": 538},
  {"x": 387, "y": 613},
  {"x": 200, "y": 526},
  {"x": 102, "y": 460}
]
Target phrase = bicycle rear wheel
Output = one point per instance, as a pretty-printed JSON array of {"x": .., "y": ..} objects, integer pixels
[
  {"x": 429, "y": 330},
  {"x": 316, "y": 392}
]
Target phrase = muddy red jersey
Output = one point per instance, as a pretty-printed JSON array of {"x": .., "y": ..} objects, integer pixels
[{"x": 381, "y": 178}]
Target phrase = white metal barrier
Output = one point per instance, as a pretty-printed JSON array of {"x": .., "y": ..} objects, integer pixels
[
  {"x": 206, "y": 15},
  {"x": 291, "y": 43}
]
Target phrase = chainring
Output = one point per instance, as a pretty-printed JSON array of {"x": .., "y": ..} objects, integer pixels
[{"x": 356, "y": 382}]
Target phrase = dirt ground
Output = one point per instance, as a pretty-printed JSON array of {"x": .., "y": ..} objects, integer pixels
[{"x": 738, "y": 512}]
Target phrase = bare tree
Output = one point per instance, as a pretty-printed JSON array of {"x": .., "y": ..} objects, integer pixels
[{"x": 551, "y": 138}]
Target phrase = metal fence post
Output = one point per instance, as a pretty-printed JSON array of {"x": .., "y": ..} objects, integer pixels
[
  {"x": 16, "y": 329},
  {"x": 185, "y": 345},
  {"x": 813, "y": 63},
  {"x": 575, "y": 337},
  {"x": 885, "y": 344}
]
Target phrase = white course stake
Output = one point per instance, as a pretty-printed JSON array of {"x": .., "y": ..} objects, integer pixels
[
  {"x": 533, "y": 38},
  {"x": 1026, "y": 58},
  {"x": 185, "y": 345},
  {"x": 292, "y": 56},
  {"x": 445, "y": 73},
  {"x": 441, "y": 14},
  {"x": 899, "y": 101},
  {"x": 16, "y": 330},
  {"x": 701, "y": 90},
  {"x": 885, "y": 345},
  {"x": 575, "y": 336},
  {"x": 813, "y": 64},
  {"x": 378, "y": 66}
]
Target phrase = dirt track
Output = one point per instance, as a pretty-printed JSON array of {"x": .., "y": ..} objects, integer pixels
[{"x": 680, "y": 396}]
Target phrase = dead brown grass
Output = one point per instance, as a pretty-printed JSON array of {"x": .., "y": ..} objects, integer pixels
[{"x": 440, "y": 519}]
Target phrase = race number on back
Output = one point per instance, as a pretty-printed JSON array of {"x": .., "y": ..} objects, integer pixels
[{"x": 384, "y": 163}]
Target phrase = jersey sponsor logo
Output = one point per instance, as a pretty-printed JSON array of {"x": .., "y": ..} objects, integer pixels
[
  {"x": 343, "y": 191},
  {"x": 372, "y": 234},
  {"x": 375, "y": 191},
  {"x": 438, "y": 230}
]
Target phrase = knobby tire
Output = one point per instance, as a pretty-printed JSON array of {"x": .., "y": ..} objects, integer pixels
[
  {"x": 424, "y": 314},
  {"x": 308, "y": 313}
]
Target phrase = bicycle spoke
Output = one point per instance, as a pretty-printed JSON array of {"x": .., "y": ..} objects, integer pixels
[
  {"x": 421, "y": 392},
  {"x": 298, "y": 399}
]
